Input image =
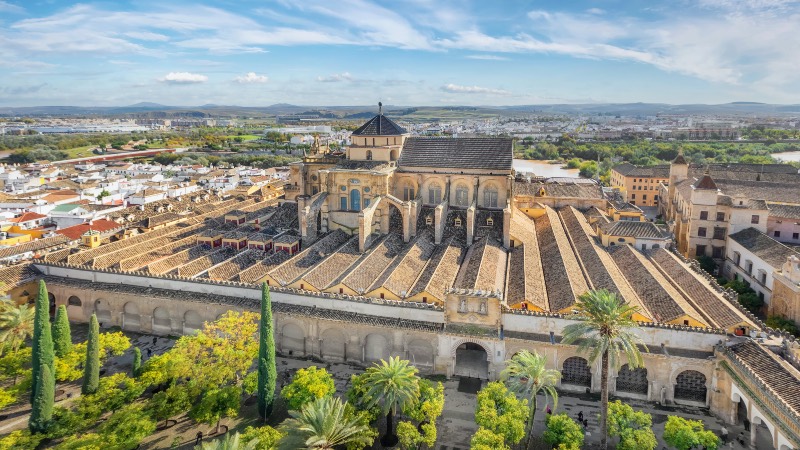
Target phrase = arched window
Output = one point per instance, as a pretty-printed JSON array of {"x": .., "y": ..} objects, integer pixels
[
  {"x": 393, "y": 155},
  {"x": 576, "y": 371},
  {"x": 490, "y": 197},
  {"x": 408, "y": 193},
  {"x": 434, "y": 194},
  {"x": 462, "y": 195},
  {"x": 369, "y": 155},
  {"x": 74, "y": 301},
  {"x": 690, "y": 385},
  {"x": 355, "y": 200}
]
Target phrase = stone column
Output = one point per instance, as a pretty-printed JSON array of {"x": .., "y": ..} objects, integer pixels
[
  {"x": 753, "y": 434},
  {"x": 439, "y": 220},
  {"x": 176, "y": 325},
  {"x": 362, "y": 233},
  {"x": 507, "y": 227},
  {"x": 145, "y": 323},
  {"x": 411, "y": 218},
  {"x": 471, "y": 224}
]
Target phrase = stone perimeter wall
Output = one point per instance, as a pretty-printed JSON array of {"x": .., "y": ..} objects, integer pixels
[{"x": 430, "y": 347}]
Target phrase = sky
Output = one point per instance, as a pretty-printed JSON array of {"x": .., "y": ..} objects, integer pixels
[{"x": 405, "y": 53}]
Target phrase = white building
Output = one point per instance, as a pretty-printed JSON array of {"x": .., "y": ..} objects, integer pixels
[
  {"x": 753, "y": 257},
  {"x": 783, "y": 223}
]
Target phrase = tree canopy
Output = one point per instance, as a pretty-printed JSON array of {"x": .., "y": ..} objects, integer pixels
[{"x": 308, "y": 384}]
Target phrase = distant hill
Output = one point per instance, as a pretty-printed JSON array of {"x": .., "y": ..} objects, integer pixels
[
  {"x": 153, "y": 110},
  {"x": 743, "y": 108}
]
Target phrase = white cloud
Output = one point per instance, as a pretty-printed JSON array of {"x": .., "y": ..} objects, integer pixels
[
  {"x": 458, "y": 89},
  {"x": 10, "y": 7},
  {"x": 487, "y": 57},
  {"x": 596, "y": 11},
  {"x": 336, "y": 78},
  {"x": 251, "y": 77},
  {"x": 183, "y": 78},
  {"x": 147, "y": 36}
]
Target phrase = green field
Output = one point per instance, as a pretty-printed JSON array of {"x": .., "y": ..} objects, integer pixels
[
  {"x": 79, "y": 152},
  {"x": 246, "y": 137}
]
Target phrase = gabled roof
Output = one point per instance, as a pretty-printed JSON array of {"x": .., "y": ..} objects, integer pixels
[
  {"x": 706, "y": 183},
  {"x": 642, "y": 230},
  {"x": 67, "y": 207},
  {"x": 784, "y": 211},
  {"x": 76, "y": 231},
  {"x": 629, "y": 170},
  {"x": 380, "y": 125},
  {"x": 57, "y": 197},
  {"x": 26, "y": 217},
  {"x": 458, "y": 153},
  {"x": 762, "y": 246},
  {"x": 679, "y": 159}
]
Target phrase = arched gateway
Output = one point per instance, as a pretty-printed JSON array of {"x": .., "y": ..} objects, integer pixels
[{"x": 472, "y": 360}]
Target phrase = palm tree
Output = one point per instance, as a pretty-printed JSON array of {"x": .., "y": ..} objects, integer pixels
[
  {"x": 525, "y": 374},
  {"x": 229, "y": 442},
  {"x": 16, "y": 324},
  {"x": 392, "y": 386},
  {"x": 323, "y": 424},
  {"x": 606, "y": 331}
]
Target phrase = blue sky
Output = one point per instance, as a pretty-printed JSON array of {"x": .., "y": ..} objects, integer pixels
[{"x": 407, "y": 52}]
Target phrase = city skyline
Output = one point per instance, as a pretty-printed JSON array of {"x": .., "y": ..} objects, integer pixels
[{"x": 415, "y": 53}]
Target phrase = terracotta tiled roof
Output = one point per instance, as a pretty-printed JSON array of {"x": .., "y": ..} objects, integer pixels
[
  {"x": 372, "y": 266},
  {"x": 776, "y": 375},
  {"x": 706, "y": 182},
  {"x": 458, "y": 153},
  {"x": 525, "y": 274},
  {"x": 562, "y": 274},
  {"x": 324, "y": 274},
  {"x": 630, "y": 170},
  {"x": 379, "y": 125},
  {"x": 579, "y": 190},
  {"x": 16, "y": 275},
  {"x": 26, "y": 217},
  {"x": 76, "y": 231},
  {"x": 710, "y": 303},
  {"x": 784, "y": 211},
  {"x": 601, "y": 270},
  {"x": 658, "y": 295},
  {"x": 32, "y": 246},
  {"x": 769, "y": 250},
  {"x": 441, "y": 270},
  {"x": 305, "y": 260},
  {"x": 644, "y": 230},
  {"x": 410, "y": 264}
]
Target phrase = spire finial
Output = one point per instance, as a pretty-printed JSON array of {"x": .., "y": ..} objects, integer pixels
[{"x": 380, "y": 107}]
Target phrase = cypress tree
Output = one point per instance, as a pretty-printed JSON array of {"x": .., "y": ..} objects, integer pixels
[
  {"x": 62, "y": 335},
  {"x": 137, "y": 361},
  {"x": 267, "y": 373},
  {"x": 91, "y": 370},
  {"x": 42, "y": 344},
  {"x": 42, "y": 410}
]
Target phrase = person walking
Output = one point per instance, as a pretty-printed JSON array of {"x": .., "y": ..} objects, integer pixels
[
  {"x": 198, "y": 438},
  {"x": 580, "y": 416}
]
